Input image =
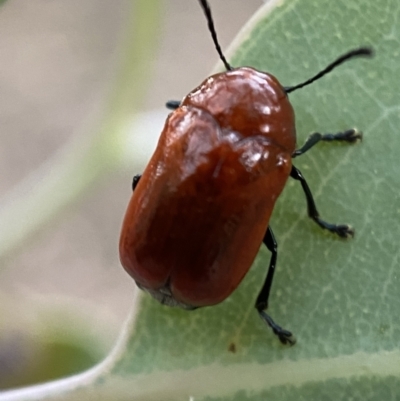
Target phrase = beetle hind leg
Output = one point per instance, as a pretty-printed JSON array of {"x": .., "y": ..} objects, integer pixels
[
  {"x": 285, "y": 336},
  {"x": 342, "y": 230}
]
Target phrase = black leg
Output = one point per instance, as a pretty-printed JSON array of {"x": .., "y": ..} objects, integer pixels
[
  {"x": 343, "y": 230},
  {"x": 351, "y": 135},
  {"x": 286, "y": 337},
  {"x": 173, "y": 104},
  {"x": 135, "y": 181}
]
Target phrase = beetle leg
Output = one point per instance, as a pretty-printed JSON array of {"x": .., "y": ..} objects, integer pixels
[
  {"x": 343, "y": 230},
  {"x": 135, "y": 181},
  {"x": 351, "y": 135},
  {"x": 286, "y": 337},
  {"x": 173, "y": 104}
]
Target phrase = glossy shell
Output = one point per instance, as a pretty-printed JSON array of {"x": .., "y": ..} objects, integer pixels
[{"x": 198, "y": 215}]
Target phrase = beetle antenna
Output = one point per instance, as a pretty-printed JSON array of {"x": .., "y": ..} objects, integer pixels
[
  {"x": 207, "y": 11},
  {"x": 360, "y": 52}
]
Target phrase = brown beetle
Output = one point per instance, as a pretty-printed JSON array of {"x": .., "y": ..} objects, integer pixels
[{"x": 201, "y": 209}]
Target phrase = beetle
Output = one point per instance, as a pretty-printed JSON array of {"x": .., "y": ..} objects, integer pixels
[{"x": 201, "y": 209}]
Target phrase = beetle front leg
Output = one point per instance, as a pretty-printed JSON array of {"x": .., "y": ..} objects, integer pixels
[
  {"x": 351, "y": 136},
  {"x": 135, "y": 181},
  {"x": 285, "y": 336},
  {"x": 173, "y": 104},
  {"x": 343, "y": 230}
]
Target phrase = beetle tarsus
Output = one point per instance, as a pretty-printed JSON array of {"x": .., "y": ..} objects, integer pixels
[
  {"x": 350, "y": 135},
  {"x": 342, "y": 230},
  {"x": 285, "y": 336}
]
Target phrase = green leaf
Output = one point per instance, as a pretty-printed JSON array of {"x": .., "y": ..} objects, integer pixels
[{"x": 340, "y": 298}]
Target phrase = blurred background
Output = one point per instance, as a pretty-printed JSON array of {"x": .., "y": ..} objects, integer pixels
[{"x": 63, "y": 294}]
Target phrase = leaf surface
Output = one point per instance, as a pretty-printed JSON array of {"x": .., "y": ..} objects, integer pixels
[{"x": 340, "y": 298}]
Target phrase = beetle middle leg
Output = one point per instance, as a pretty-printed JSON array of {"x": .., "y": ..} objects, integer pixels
[
  {"x": 351, "y": 136},
  {"x": 285, "y": 336},
  {"x": 343, "y": 230},
  {"x": 135, "y": 181}
]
